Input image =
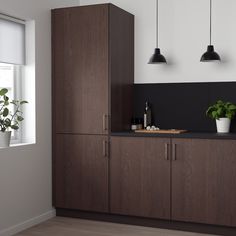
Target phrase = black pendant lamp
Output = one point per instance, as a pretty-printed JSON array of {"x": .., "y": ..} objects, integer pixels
[
  {"x": 210, "y": 54},
  {"x": 157, "y": 57}
]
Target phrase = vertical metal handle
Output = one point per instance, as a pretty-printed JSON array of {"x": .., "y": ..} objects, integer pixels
[
  {"x": 166, "y": 151},
  {"x": 104, "y": 121},
  {"x": 104, "y": 148},
  {"x": 174, "y": 152}
]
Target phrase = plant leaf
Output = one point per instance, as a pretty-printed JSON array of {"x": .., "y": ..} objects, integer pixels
[
  {"x": 6, "y": 98},
  {"x": 7, "y": 122},
  {"x": 5, "y": 112},
  {"x": 20, "y": 118},
  {"x": 15, "y": 127},
  {"x": 3, "y": 91},
  {"x": 214, "y": 115},
  {"x": 232, "y": 107},
  {"x": 23, "y": 102},
  {"x": 221, "y": 109}
]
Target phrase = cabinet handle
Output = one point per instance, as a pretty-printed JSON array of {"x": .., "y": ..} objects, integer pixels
[
  {"x": 104, "y": 121},
  {"x": 104, "y": 148},
  {"x": 174, "y": 153},
  {"x": 166, "y": 151}
]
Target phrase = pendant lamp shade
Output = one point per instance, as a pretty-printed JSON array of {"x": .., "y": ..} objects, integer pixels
[
  {"x": 157, "y": 57},
  {"x": 210, "y": 54}
]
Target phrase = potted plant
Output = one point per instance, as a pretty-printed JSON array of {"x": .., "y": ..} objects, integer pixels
[
  {"x": 223, "y": 113},
  {"x": 9, "y": 120}
]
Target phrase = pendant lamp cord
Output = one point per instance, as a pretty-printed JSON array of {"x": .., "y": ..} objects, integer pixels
[
  {"x": 157, "y": 13},
  {"x": 210, "y": 20}
]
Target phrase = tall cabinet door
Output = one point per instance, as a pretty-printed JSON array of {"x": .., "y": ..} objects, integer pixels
[
  {"x": 203, "y": 181},
  {"x": 81, "y": 172},
  {"x": 140, "y": 177},
  {"x": 80, "y": 69}
]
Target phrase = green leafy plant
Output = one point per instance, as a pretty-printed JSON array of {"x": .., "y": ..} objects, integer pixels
[
  {"x": 221, "y": 110},
  {"x": 8, "y": 119}
]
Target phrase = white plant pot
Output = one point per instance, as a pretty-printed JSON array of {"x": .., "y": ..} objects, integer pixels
[
  {"x": 5, "y": 138},
  {"x": 223, "y": 125}
]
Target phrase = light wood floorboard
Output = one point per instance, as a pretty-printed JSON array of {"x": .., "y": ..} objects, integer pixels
[{"x": 60, "y": 226}]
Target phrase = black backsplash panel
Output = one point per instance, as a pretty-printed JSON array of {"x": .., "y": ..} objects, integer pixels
[{"x": 183, "y": 105}]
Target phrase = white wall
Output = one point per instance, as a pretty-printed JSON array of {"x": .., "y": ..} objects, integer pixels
[
  {"x": 25, "y": 171},
  {"x": 184, "y": 36}
]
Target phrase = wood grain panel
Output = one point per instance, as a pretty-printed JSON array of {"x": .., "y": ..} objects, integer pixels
[
  {"x": 121, "y": 45},
  {"x": 140, "y": 177},
  {"x": 80, "y": 68},
  {"x": 203, "y": 181},
  {"x": 81, "y": 173},
  {"x": 57, "y": 18}
]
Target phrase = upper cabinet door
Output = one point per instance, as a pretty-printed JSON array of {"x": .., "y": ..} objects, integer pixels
[
  {"x": 80, "y": 69},
  {"x": 203, "y": 181},
  {"x": 140, "y": 177}
]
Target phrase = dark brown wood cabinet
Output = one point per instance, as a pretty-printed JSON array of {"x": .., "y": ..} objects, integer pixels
[
  {"x": 191, "y": 180},
  {"x": 140, "y": 177},
  {"x": 80, "y": 40},
  {"x": 81, "y": 170},
  {"x": 177, "y": 179},
  {"x": 203, "y": 181},
  {"x": 93, "y": 56},
  {"x": 92, "y": 82}
]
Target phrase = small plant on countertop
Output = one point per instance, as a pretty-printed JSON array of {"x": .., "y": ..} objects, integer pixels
[
  {"x": 8, "y": 119},
  {"x": 221, "y": 110}
]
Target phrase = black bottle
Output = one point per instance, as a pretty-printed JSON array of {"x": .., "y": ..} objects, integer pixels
[{"x": 147, "y": 115}]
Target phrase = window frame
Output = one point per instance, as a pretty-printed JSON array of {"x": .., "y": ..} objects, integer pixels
[
  {"x": 23, "y": 71},
  {"x": 17, "y": 84}
]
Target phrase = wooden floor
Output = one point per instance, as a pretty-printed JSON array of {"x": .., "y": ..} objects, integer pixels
[{"x": 60, "y": 226}]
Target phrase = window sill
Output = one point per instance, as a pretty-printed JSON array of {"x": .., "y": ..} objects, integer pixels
[{"x": 13, "y": 145}]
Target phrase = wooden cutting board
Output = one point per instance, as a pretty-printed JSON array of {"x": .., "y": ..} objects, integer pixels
[{"x": 161, "y": 131}]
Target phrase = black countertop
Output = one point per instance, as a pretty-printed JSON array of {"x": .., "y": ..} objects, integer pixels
[{"x": 197, "y": 135}]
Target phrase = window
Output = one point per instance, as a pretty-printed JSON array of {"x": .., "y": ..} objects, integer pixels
[
  {"x": 12, "y": 60},
  {"x": 10, "y": 78}
]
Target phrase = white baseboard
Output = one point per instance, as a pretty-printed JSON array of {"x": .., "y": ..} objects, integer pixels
[{"x": 27, "y": 224}]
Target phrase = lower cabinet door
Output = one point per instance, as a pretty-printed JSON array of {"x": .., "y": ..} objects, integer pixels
[
  {"x": 204, "y": 181},
  {"x": 140, "y": 177},
  {"x": 81, "y": 172}
]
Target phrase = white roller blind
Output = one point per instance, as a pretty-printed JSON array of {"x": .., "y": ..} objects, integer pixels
[{"x": 12, "y": 42}]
